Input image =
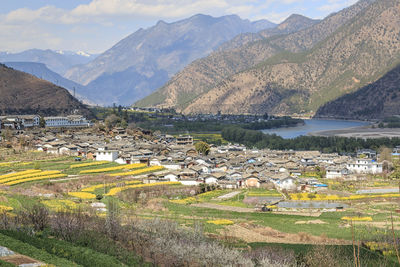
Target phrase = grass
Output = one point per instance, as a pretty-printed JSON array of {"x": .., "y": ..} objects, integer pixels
[
  {"x": 261, "y": 192},
  {"x": 6, "y": 264},
  {"x": 280, "y": 222},
  {"x": 33, "y": 252},
  {"x": 81, "y": 255}
]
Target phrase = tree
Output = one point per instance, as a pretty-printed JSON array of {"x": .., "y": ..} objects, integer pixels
[
  {"x": 42, "y": 122},
  {"x": 112, "y": 120},
  {"x": 385, "y": 154},
  {"x": 126, "y": 116},
  {"x": 202, "y": 148}
]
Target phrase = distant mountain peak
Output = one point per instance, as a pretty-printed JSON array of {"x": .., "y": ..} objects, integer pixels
[
  {"x": 296, "y": 20},
  {"x": 82, "y": 53},
  {"x": 146, "y": 59}
]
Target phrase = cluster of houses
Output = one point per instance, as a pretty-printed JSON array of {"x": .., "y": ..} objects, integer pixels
[
  {"x": 20, "y": 122},
  {"x": 228, "y": 166}
]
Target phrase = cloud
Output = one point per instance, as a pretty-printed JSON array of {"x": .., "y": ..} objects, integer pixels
[
  {"x": 158, "y": 9},
  {"x": 22, "y": 37},
  {"x": 99, "y": 11},
  {"x": 101, "y": 23},
  {"x": 49, "y": 14}
]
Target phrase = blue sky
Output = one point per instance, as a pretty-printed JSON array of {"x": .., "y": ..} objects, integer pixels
[{"x": 95, "y": 25}]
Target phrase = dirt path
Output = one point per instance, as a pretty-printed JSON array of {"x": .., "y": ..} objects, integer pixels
[
  {"x": 254, "y": 233},
  {"x": 17, "y": 259},
  {"x": 229, "y": 195},
  {"x": 221, "y": 207}
]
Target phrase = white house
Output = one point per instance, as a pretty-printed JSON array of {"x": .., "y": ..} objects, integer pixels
[
  {"x": 69, "y": 121},
  {"x": 189, "y": 182},
  {"x": 210, "y": 179},
  {"x": 172, "y": 177},
  {"x": 19, "y": 121},
  {"x": 336, "y": 172},
  {"x": 365, "y": 166},
  {"x": 172, "y": 166},
  {"x": 106, "y": 155},
  {"x": 288, "y": 183}
]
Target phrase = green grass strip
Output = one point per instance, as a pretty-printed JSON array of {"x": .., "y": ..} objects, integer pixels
[
  {"x": 33, "y": 252},
  {"x": 81, "y": 255},
  {"x": 6, "y": 264}
]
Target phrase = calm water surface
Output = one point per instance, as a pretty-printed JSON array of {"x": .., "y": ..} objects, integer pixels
[{"x": 314, "y": 126}]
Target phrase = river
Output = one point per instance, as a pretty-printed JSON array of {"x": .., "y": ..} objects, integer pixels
[{"x": 314, "y": 125}]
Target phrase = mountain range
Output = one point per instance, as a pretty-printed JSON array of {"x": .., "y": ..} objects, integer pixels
[
  {"x": 238, "y": 80},
  {"x": 146, "y": 59},
  {"x": 377, "y": 100},
  {"x": 345, "y": 65},
  {"x": 57, "y": 61},
  {"x": 22, "y": 93},
  {"x": 357, "y": 53}
]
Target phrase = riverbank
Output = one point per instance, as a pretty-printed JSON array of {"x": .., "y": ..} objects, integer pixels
[
  {"x": 315, "y": 125},
  {"x": 360, "y": 132}
]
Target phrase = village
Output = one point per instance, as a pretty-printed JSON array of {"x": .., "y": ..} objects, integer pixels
[
  {"x": 241, "y": 195},
  {"x": 227, "y": 166}
]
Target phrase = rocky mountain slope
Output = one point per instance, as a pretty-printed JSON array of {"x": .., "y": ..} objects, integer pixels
[
  {"x": 204, "y": 74},
  {"x": 145, "y": 60},
  {"x": 22, "y": 93},
  {"x": 40, "y": 71},
  {"x": 292, "y": 24},
  {"x": 357, "y": 53},
  {"x": 375, "y": 101},
  {"x": 58, "y": 62}
]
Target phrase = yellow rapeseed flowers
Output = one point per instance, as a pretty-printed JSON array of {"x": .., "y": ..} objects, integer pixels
[
  {"x": 37, "y": 173},
  {"x": 127, "y": 167},
  {"x": 94, "y": 187},
  {"x": 60, "y": 204},
  {"x": 82, "y": 195},
  {"x": 88, "y": 164},
  {"x": 5, "y": 209},
  {"x": 357, "y": 219},
  {"x": 137, "y": 172},
  {"x": 116, "y": 190},
  {"x": 14, "y": 174},
  {"x": 221, "y": 222},
  {"x": 45, "y": 177}
]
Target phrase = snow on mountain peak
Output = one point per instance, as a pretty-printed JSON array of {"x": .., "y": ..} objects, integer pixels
[{"x": 84, "y": 54}]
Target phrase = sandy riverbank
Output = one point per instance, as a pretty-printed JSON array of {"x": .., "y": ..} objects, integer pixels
[{"x": 360, "y": 132}]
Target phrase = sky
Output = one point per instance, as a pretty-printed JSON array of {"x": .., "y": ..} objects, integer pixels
[{"x": 95, "y": 25}]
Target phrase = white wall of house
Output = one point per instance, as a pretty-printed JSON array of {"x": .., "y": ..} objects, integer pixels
[
  {"x": 155, "y": 162},
  {"x": 106, "y": 155},
  {"x": 172, "y": 166},
  {"x": 120, "y": 161},
  {"x": 365, "y": 166},
  {"x": 65, "y": 151},
  {"x": 189, "y": 182},
  {"x": 333, "y": 174},
  {"x": 70, "y": 121},
  {"x": 288, "y": 184},
  {"x": 211, "y": 180},
  {"x": 171, "y": 177}
]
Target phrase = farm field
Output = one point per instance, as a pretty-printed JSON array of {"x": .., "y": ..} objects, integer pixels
[{"x": 100, "y": 191}]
